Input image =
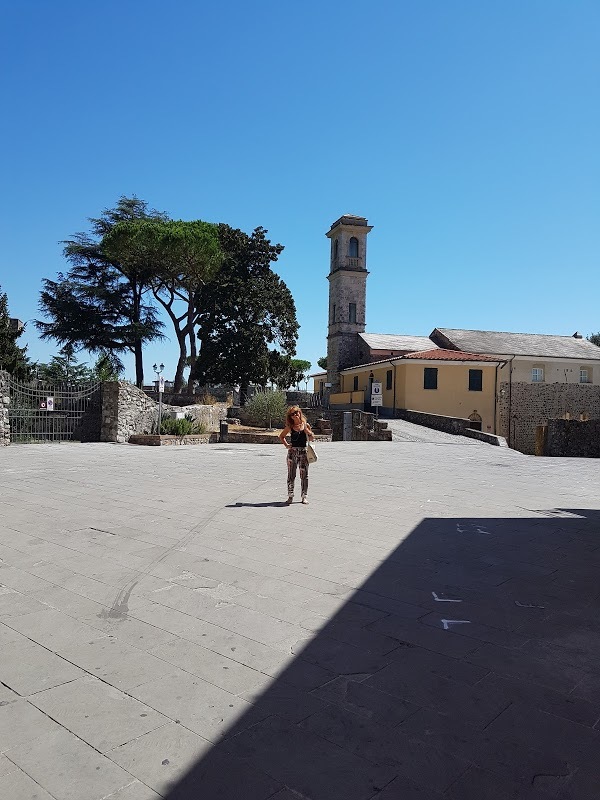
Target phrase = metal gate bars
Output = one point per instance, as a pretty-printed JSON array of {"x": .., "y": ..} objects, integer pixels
[{"x": 42, "y": 413}]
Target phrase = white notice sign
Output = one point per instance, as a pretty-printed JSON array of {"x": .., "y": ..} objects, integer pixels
[
  {"x": 161, "y": 384},
  {"x": 49, "y": 404},
  {"x": 376, "y": 395}
]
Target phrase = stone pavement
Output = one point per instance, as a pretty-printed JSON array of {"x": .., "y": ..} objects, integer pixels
[{"x": 426, "y": 628}]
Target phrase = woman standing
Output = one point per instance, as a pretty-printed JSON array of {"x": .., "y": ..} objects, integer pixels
[{"x": 300, "y": 433}]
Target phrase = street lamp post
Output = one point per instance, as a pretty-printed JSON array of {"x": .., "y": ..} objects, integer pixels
[{"x": 160, "y": 386}]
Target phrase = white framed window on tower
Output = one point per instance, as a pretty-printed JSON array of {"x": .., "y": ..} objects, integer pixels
[{"x": 537, "y": 375}]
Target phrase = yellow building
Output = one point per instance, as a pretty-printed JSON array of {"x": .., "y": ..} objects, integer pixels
[{"x": 438, "y": 381}]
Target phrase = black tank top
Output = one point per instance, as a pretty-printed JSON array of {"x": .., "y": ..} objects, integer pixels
[{"x": 298, "y": 438}]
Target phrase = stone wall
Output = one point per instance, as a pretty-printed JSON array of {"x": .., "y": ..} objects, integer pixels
[
  {"x": 524, "y": 406},
  {"x": 437, "y": 421},
  {"x": 127, "y": 410},
  {"x": 571, "y": 437},
  {"x": 4, "y": 401}
]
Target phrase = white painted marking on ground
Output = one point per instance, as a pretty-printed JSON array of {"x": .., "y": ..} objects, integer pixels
[
  {"x": 447, "y": 622},
  {"x": 444, "y": 599},
  {"x": 527, "y": 605}
]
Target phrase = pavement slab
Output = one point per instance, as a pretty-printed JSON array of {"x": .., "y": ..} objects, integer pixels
[{"x": 425, "y": 629}]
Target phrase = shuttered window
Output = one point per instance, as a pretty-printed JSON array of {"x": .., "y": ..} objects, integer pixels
[
  {"x": 430, "y": 378},
  {"x": 475, "y": 380}
]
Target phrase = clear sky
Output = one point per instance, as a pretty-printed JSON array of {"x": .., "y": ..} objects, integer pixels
[{"x": 467, "y": 132}]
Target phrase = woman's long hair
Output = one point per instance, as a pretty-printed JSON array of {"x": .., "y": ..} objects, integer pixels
[{"x": 289, "y": 420}]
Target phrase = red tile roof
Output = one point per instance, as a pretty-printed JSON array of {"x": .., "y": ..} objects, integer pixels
[{"x": 449, "y": 355}]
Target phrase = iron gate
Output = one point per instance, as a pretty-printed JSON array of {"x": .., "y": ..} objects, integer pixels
[{"x": 40, "y": 412}]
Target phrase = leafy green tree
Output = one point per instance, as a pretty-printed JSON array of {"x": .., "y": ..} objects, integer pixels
[
  {"x": 247, "y": 318},
  {"x": 106, "y": 369},
  {"x": 180, "y": 257},
  {"x": 322, "y": 362},
  {"x": 13, "y": 358},
  {"x": 301, "y": 369},
  {"x": 594, "y": 338},
  {"x": 64, "y": 368},
  {"x": 267, "y": 405},
  {"x": 100, "y": 304}
]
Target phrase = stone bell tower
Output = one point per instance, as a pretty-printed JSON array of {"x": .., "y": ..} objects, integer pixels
[{"x": 347, "y": 293}]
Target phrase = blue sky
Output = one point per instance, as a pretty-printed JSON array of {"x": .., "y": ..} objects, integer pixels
[{"x": 466, "y": 132}]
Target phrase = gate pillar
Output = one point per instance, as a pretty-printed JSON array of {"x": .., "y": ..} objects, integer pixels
[{"x": 4, "y": 402}]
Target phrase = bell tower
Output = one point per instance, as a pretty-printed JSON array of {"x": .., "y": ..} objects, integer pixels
[{"x": 347, "y": 293}]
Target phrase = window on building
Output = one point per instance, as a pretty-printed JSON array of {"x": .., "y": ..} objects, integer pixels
[
  {"x": 353, "y": 247},
  {"x": 335, "y": 249},
  {"x": 355, "y": 385},
  {"x": 584, "y": 375},
  {"x": 430, "y": 378},
  {"x": 537, "y": 374},
  {"x": 333, "y": 312},
  {"x": 475, "y": 380},
  {"x": 351, "y": 312},
  {"x": 388, "y": 379}
]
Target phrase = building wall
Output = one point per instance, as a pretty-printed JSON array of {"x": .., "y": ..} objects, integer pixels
[
  {"x": 555, "y": 370},
  {"x": 452, "y": 397},
  {"x": 523, "y": 406}
]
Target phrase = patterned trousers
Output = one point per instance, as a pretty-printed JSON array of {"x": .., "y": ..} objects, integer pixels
[{"x": 296, "y": 456}]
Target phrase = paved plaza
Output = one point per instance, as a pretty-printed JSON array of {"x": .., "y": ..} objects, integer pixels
[{"x": 427, "y": 627}]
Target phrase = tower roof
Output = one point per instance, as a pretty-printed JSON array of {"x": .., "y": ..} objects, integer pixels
[{"x": 350, "y": 221}]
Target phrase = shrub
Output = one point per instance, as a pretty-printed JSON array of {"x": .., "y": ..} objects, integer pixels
[
  {"x": 181, "y": 427},
  {"x": 207, "y": 399},
  {"x": 266, "y": 406}
]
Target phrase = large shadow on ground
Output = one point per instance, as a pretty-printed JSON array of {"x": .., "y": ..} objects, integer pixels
[{"x": 466, "y": 666}]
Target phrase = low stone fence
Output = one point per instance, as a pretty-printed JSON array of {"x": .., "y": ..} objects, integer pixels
[
  {"x": 438, "y": 422},
  {"x": 153, "y": 440},
  {"x": 569, "y": 438},
  {"x": 456, "y": 425}
]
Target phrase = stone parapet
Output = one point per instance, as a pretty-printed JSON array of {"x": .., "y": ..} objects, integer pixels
[{"x": 438, "y": 422}]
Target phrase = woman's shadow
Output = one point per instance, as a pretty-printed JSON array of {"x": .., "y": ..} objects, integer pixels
[{"x": 257, "y": 505}]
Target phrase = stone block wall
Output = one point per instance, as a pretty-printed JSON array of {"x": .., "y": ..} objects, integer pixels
[
  {"x": 571, "y": 437},
  {"x": 127, "y": 410},
  {"x": 4, "y": 401},
  {"x": 526, "y": 405}
]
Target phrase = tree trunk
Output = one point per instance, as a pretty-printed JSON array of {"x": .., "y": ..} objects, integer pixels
[
  {"x": 139, "y": 364},
  {"x": 192, "y": 360},
  {"x": 180, "y": 364},
  {"x": 137, "y": 345}
]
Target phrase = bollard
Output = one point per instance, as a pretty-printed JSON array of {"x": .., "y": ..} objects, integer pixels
[
  {"x": 223, "y": 431},
  {"x": 347, "y": 426}
]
